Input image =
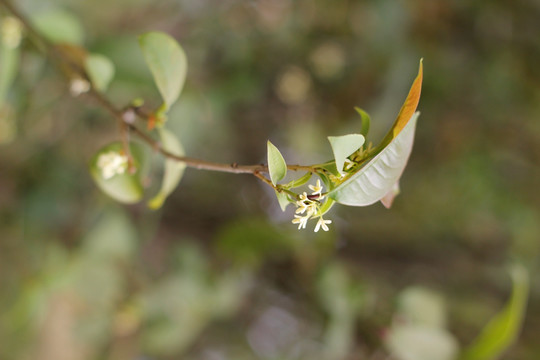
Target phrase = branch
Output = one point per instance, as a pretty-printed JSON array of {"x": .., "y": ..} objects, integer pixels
[{"x": 62, "y": 60}]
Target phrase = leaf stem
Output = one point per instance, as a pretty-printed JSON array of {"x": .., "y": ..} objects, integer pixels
[{"x": 62, "y": 59}]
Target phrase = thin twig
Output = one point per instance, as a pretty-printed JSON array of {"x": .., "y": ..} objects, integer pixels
[{"x": 63, "y": 59}]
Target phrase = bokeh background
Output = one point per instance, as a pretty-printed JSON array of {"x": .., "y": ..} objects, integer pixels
[{"x": 220, "y": 272}]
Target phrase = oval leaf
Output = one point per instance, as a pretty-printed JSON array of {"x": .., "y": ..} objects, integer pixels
[
  {"x": 59, "y": 26},
  {"x": 100, "y": 70},
  {"x": 276, "y": 164},
  {"x": 407, "y": 109},
  {"x": 373, "y": 181},
  {"x": 123, "y": 187},
  {"x": 167, "y": 62},
  {"x": 421, "y": 342},
  {"x": 503, "y": 330},
  {"x": 344, "y": 146},
  {"x": 174, "y": 170}
]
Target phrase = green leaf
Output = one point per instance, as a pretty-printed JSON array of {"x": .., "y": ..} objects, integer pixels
[
  {"x": 167, "y": 62},
  {"x": 11, "y": 30},
  {"x": 283, "y": 199},
  {"x": 276, "y": 164},
  {"x": 344, "y": 146},
  {"x": 299, "y": 182},
  {"x": 407, "y": 341},
  {"x": 373, "y": 181},
  {"x": 174, "y": 170},
  {"x": 100, "y": 70},
  {"x": 325, "y": 207},
  {"x": 125, "y": 187},
  {"x": 366, "y": 121},
  {"x": 502, "y": 331},
  {"x": 59, "y": 26},
  {"x": 421, "y": 306}
]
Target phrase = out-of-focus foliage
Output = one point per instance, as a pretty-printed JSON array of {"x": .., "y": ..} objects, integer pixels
[{"x": 220, "y": 272}]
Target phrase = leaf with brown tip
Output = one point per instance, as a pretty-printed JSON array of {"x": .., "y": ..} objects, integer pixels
[{"x": 407, "y": 109}]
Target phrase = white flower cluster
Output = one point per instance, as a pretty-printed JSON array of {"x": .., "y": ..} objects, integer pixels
[
  {"x": 112, "y": 163},
  {"x": 308, "y": 208}
]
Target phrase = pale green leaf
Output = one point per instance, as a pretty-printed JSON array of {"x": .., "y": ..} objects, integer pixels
[
  {"x": 9, "y": 55},
  {"x": 174, "y": 170},
  {"x": 100, "y": 69},
  {"x": 344, "y": 146},
  {"x": 59, "y": 26},
  {"x": 167, "y": 62},
  {"x": 366, "y": 121},
  {"x": 421, "y": 306},
  {"x": 125, "y": 187},
  {"x": 298, "y": 182},
  {"x": 502, "y": 331},
  {"x": 325, "y": 207},
  {"x": 421, "y": 342},
  {"x": 276, "y": 164},
  {"x": 373, "y": 181},
  {"x": 283, "y": 199}
]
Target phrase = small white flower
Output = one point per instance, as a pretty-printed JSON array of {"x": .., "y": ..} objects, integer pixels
[
  {"x": 348, "y": 164},
  {"x": 78, "y": 86},
  {"x": 301, "y": 221},
  {"x": 322, "y": 223},
  {"x": 111, "y": 164},
  {"x": 317, "y": 189}
]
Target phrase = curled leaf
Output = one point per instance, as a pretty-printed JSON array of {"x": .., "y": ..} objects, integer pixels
[
  {"x": 373, "y": 181},
  {"x": 174, "y": 170},
  {"x": 344, "y": 146},
  {"x": 366, "y": 121},
  {"x": 109, "y": 170},
  {"x": 407, "y": 109}
]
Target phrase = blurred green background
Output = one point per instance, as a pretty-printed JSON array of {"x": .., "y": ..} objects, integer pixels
[{"x": 220, "y": 272}]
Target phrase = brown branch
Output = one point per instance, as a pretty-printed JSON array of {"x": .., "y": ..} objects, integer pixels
[{"x": 63, "y": 59}]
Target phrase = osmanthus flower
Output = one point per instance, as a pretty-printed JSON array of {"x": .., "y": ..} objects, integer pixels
[
  {"x": 112, "y": 163},
  {"x": 309, "y": 208},
  {"x": 301, "y": 221},
  {"x": 305, "y": 205},
  {"x": 317, "y": 189},
  {"x": 322, "y": 224}
]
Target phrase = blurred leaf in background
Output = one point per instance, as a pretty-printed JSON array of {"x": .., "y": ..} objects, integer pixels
[{"x": 219, "y": 272}]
